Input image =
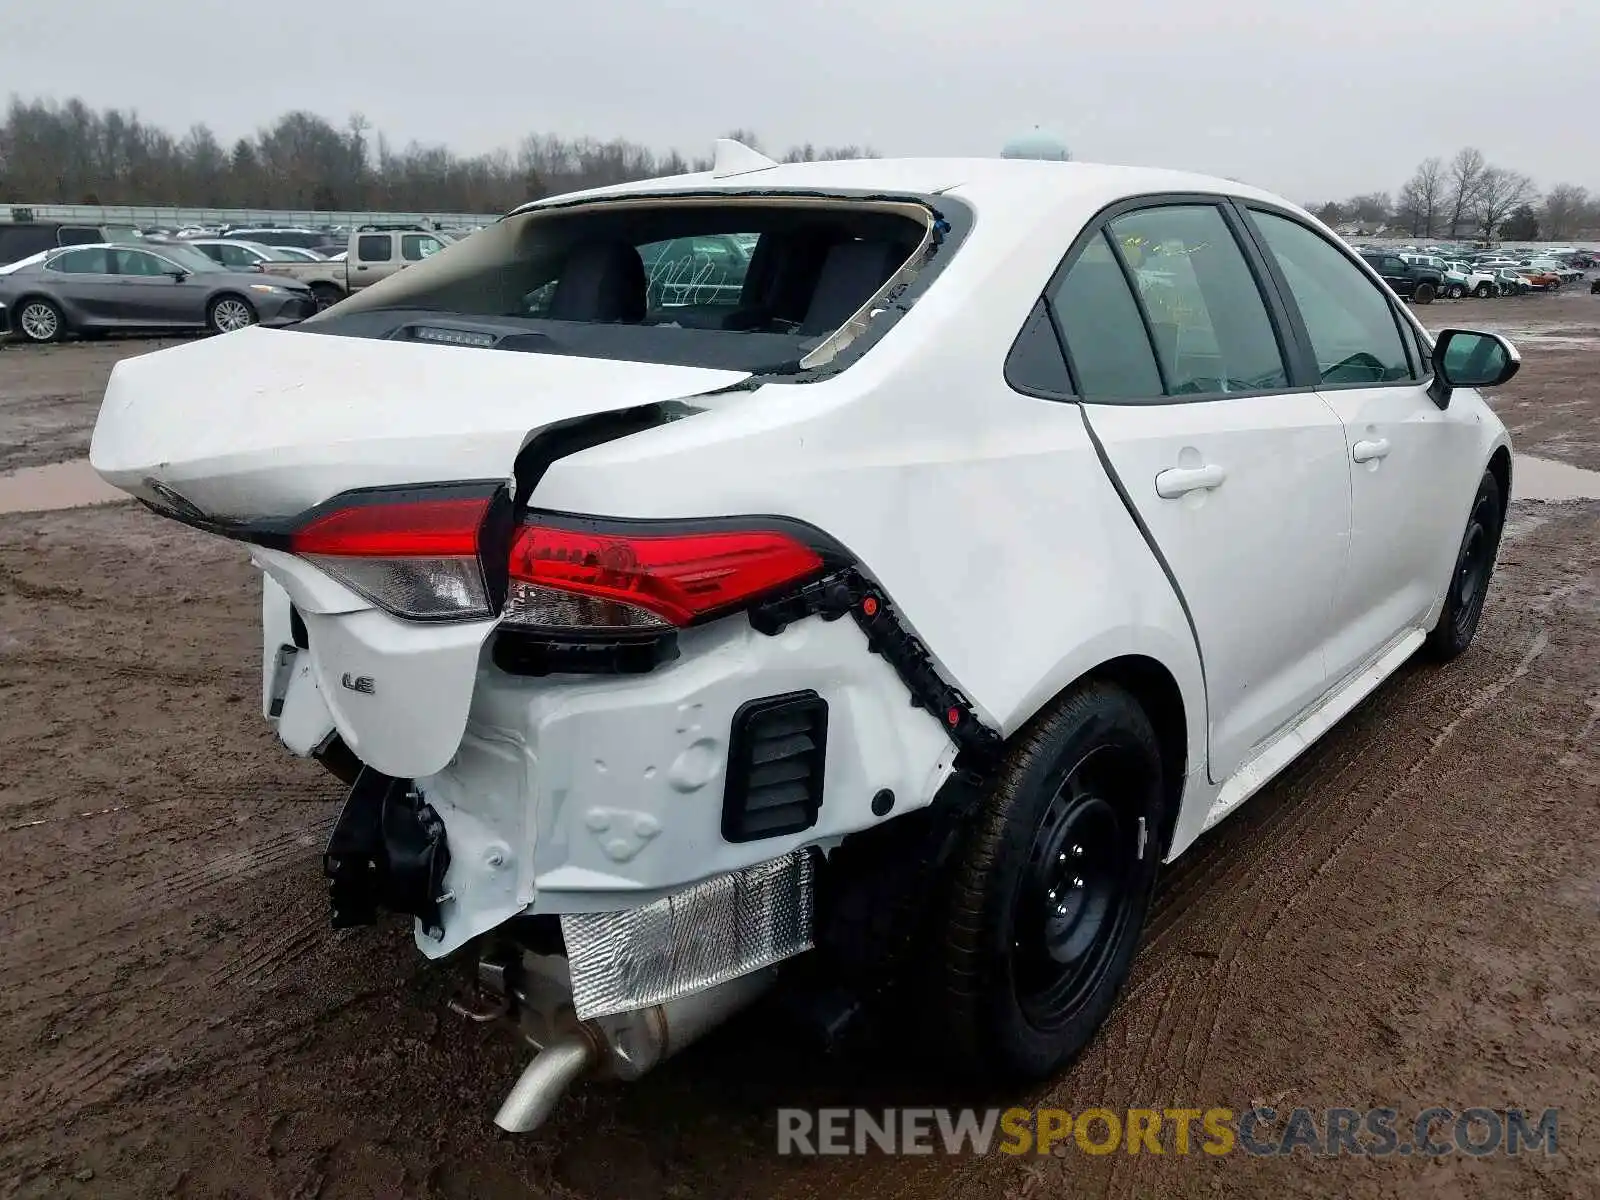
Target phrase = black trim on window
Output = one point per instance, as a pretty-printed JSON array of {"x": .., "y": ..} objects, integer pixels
[
  {"x": 1294, "y": 340},
  {"x": 1132, "y": 281}
]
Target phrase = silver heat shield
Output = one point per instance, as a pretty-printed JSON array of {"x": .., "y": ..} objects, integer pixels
[{"x": 694, "y": 939}]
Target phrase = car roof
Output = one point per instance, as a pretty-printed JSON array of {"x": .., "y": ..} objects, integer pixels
[{"x": 996, "y": 182}]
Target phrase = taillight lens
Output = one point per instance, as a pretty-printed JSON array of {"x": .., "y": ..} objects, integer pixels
[
  {"x": 622, "y": 580},
  {"x": 415, "y": 557}
]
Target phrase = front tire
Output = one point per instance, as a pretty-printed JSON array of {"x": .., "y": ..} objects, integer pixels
[
  {"x": 1424, "y": 294},
  {"x": 1051, "y": 887},
  {"x": 40, "y": 321},
  {"x": 1483, "y": 291},
  {"x": 228, "y": 313},
  {"x": 1469, "y": 580},
  {"x": 1456, "y": 291}
]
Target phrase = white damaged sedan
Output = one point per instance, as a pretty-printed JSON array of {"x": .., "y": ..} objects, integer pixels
[{"x": 892, "y": 602}]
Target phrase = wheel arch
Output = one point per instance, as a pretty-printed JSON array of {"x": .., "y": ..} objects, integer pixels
[
  {"x": 1172, "y": 697},
  {"x": 1157, "y": 692},
  {"x": 1500, "y": 467}
]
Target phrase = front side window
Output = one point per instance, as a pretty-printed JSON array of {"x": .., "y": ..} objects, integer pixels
[
  {"x": 235, "y": 255},
  {"x": 137, "y": 262},
  {"x": 1207, "y": 317},
  {"x": 696, "y": 270},
  {"x": 1348, "y": 319},
  {"x": 1106, "y": 338},
  {"x": 82, "y": 262},
  {"x": 414, "y": 247}
]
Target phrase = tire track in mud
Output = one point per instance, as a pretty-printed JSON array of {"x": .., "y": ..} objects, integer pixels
[
  {"x": 33, "y": 666},
  {"x": 144, "y": 1028},
  {"x": 274, "y": 854}
]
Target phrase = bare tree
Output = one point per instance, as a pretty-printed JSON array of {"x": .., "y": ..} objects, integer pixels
[
  {"x": 1564, "y": 210},
  {"x": 69, "y": 153},
  {"x": 1466, "y": 177},
  {"x": 1499, "y": 193},
  {"x": 1422, "y": 196}
]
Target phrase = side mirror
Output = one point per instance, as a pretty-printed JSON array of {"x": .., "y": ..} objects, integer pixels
[
  {"x": 1467, "y": 358},
  {"x": 178, "y": 276}
]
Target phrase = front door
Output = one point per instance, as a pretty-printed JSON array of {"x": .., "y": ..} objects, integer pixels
[
  {"x": 1412, "y": 477},
  {"x": 152, "y": 297},
  {"x": 1240, "y": 484}
]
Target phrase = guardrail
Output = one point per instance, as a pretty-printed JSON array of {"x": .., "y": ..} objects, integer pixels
[{"x": 179, "y": 215}]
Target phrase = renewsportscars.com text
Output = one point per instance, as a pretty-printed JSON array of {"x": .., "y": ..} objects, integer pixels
[{"x": 1262, "y": 1131}]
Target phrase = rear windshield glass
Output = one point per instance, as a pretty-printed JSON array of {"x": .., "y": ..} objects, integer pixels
[{"x": 751, "y": 284}]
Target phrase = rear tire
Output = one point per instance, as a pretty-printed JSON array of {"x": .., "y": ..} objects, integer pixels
[
  {"x": 1469, "y": 579},
  {"x": 1456, "y": 291},
  {"x": 1050, "y": 890},
  {"x": 39, "y": 321},
  {"x": 1483, "y": 291},
  {"x": 327, "y": 295}
]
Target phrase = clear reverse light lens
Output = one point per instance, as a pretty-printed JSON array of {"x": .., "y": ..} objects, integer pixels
[{"x": 422, "y": 589}]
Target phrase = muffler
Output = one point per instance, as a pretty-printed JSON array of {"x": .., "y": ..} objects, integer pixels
[{"x": 622, "y": 1046}]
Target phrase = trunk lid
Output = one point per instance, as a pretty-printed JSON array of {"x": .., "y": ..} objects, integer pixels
[{"x": 265, "y": 423}]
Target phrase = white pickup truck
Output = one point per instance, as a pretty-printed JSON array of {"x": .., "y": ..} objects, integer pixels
[{"x": 373, "y": 254}]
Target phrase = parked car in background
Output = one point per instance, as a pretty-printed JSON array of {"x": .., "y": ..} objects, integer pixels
[
  {"x": 21, "y": 239},
  {"x": 1541, "y": 279},
  {"x": 1479, "y": 282},
  {"x": 310, "y": 239},
  {"x": 650, "y": 671},
  {"x": 101, "y": 288},
  {"x": 297, "y": 254},
  {"x": 1412, "y": 281},
  {"x": 237, "y": 254},
  {"x": 1512, "y": 282},
  {"x": 371, "y": 255}
]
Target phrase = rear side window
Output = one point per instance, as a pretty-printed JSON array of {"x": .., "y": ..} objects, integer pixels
[
  {"x": 1207, "y": 317},
  {"x": 375, "y": 247},
  {"x": 1106, "y": 338},
  {"x": 1352, "y": 328},
  {"x": 236, "y": 255},
  {"x": 82, "y": 262}
]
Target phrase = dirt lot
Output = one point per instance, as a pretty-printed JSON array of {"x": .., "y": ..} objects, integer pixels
[{"x": 1407, "y": 918}]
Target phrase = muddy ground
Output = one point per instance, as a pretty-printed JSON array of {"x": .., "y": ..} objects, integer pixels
[{"x": 1407, "y": 917}]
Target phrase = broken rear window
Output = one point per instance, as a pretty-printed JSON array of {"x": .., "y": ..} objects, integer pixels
[{"x": 762, "y": 284}]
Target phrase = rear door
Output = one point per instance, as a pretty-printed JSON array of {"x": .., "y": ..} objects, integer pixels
[
  {"x": 1239, "y": 481},
  {"x": 1413, "y": 469},
  {"x": 87, "y": 287}
]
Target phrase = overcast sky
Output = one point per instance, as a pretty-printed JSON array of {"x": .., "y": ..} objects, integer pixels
[{"x": 1311, "y": 98}]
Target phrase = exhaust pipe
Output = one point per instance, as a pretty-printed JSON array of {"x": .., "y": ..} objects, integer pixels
[
  {"x": 623, "y": 1046},
  {"x": 544, "y": 1081}
]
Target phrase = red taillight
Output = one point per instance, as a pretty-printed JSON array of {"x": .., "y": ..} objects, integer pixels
[
  {"x": 398, "y": 530},
  {"x": 579, "y": 578},
  {"x": 415, "y": 557}
]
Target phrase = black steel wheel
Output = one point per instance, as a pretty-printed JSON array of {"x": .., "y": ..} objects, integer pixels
[
  {"x": 1474, "y": 568},
  {"x": 1052, "y": 885}
]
